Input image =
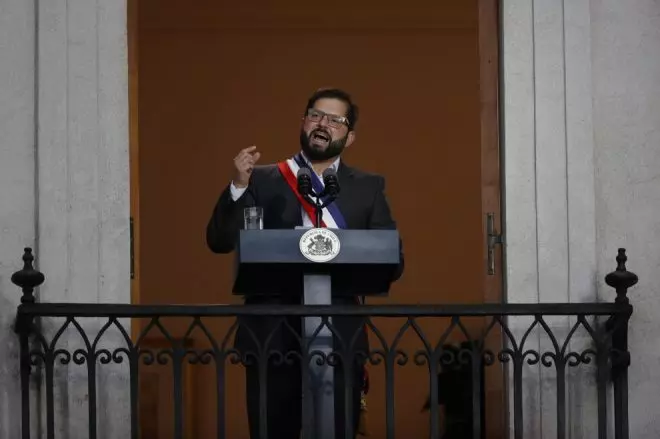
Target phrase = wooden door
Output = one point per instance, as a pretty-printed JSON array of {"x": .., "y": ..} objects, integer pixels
[{"x": 218, "y": 76}]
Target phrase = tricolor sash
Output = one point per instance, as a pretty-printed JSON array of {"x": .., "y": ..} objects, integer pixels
[{"x": 332, "y": 217}]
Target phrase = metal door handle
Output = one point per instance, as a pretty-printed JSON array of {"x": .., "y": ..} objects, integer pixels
[{"x": 493, "y": 238}]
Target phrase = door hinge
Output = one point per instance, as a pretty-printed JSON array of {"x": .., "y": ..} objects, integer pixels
[
  {"x": 132, "y": 249},
  {"x": 493, "y": 238}
]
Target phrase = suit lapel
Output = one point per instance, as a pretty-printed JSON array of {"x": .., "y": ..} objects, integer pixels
[
  {"x": 284, "y": 208},
  {"x": 293, "y": 212},
  {"x": 344, "y": 201}
]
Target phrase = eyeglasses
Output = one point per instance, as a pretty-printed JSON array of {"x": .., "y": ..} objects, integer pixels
[{"x": 314, "y": 115}]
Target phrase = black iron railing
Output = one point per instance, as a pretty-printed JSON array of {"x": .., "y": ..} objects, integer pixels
[{"x": 455, "y": 345}]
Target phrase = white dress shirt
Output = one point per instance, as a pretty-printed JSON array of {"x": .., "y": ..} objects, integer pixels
[{"x": 236, "y": 192}]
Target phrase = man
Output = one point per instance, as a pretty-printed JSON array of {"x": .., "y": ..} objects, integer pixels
[{"x": 327, "y": 128}]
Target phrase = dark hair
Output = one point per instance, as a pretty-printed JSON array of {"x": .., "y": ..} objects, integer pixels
[{"x": 335, "y": 93}]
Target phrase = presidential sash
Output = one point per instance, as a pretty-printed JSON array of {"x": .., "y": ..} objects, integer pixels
[{"x": 332, "y": 217}]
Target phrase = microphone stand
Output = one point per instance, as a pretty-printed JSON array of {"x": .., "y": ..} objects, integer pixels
[
  {"x": 319, "y": 212},
  {"x": 317, "y": 290},
  {"x": 318, "y": 206}
]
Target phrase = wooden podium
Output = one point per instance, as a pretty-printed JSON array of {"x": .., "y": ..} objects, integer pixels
[{"x": 316, "y": 265}]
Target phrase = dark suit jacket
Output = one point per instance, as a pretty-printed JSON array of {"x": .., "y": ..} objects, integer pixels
[{"x": 363, "y": 204}]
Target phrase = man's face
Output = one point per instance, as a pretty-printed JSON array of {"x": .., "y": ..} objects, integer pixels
[{"x": 324, "y": 133}]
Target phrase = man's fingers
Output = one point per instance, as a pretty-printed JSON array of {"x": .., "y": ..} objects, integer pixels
[
  {"x": 245, "y": 152},
  {"x": 248, "y": 158},
  {"x": 243, "y": 161}
]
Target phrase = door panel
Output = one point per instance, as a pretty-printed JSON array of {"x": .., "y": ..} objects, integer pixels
[{"x": 219, "y": 77}]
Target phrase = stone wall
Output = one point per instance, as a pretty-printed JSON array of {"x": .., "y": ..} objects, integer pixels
[
  {"x": 17, "y": 187},
  {"x": 581, "y": 115},
  {"x": 64, "y": 180}
]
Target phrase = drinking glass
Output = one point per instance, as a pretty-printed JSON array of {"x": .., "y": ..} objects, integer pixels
[{"x": 253, "y": 218}]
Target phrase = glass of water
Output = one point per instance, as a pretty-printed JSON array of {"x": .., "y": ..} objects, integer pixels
[{"x": 253, "y": 218}]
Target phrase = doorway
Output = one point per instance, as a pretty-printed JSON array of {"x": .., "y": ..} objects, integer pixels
[{"x": 210, "y": 79}]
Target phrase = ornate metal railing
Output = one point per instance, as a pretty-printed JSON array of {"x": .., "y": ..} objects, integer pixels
[{"x": 455, "y": 345}]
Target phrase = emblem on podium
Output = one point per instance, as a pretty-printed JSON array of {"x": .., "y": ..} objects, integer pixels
[{"x": 319, "y": 245}]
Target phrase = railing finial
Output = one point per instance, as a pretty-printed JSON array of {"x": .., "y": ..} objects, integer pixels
[
  {"x": 621, "y": 279},
  {"x": 28, "y": 278}
]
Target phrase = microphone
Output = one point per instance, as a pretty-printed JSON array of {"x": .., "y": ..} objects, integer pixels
[
  {"x": 304, "y": 181},
  {"x": 331, "y": 182}
]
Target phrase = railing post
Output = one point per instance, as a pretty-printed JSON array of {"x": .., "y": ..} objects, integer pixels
[
  {"x": 621, "y": 279},
  {"x": 27, "y": 279}
]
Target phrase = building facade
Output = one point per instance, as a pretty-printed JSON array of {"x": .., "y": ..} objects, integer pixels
[{"x": 581, "y": 172}]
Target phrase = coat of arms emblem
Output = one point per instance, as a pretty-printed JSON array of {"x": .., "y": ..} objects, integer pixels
[{"x": 319, "y": 245}]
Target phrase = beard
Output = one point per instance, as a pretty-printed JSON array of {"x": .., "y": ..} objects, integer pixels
[{"x": 318, "y": 153}]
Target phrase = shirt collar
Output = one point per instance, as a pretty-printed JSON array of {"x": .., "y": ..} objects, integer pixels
[{"x": 334, "y": 165}]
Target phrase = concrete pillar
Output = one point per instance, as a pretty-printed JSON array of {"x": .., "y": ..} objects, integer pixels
[
  {"x": 582, "y": 129},
  {"x": 626, "y": 117},
  {"x": 64, "y": 190},
  {"x": 550, "y": 196},
  {"x": 83, "y": 193},
  {"x": 17, "y": 202}
]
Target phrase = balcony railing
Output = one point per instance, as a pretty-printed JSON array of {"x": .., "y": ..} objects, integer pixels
[{"x": 473, "y": 361}]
